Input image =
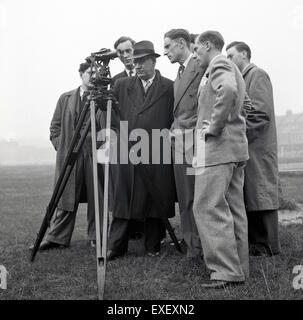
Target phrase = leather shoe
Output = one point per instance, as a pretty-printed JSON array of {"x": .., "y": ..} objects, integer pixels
[
  {"x": 182, "y": 244},
  {"x": 136, "y": 236},
  {"x": 46, "y": 245},
  {"x": 111, "y": 255},
  {"x": 261, "y": 251},
  {"x": 219, "y": 284},
  {"x": 153, "y": 254}
]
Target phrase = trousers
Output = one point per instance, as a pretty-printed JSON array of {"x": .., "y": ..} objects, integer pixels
[
  {"x": 185, "y": 185},
  {"x": 263, "y": 235},
  {"x": 63, "y": 224},
  {"x": 221, "y": 220}
]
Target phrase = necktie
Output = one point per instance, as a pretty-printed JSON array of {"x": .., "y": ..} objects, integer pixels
[
  {"x": 180, "y": 71},
  {"x": 147, "y": 85},
  {"x": 82, "y": 103},
  {"x": 84, "y": 96},
  {"x": 130, "y": 73}
]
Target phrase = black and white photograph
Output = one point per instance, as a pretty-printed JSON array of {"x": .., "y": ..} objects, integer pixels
[{"x": 151, "y": 151}]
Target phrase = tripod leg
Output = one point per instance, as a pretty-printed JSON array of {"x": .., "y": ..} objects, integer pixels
[
  {"x": 101, "y": 250},
  {"x": 100, "y": 262},
  {"x": 172, "y": 234}
]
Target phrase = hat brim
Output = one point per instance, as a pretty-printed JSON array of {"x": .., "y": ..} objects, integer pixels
[{"x": 141, "y": 55}]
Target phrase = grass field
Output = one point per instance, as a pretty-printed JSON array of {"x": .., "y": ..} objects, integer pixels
[
  {"x": 71, "y": 274},
  {"x": 292, "y": 185}
]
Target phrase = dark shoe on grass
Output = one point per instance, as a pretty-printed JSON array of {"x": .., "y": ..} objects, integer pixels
[
  {"x": 182, "y": 245},
  {"x": 46, "y": 245},
  {"x": 136, "y": 236},
  {"x": 261, "y": 251},
  {"x": 111, "y": 255},
  {"x": 153, "y": 254},
  {"x": 219, "y": 284}
]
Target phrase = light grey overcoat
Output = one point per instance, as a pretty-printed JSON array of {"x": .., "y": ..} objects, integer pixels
[
  {"x": 62, "y": 129},
  {"x": 261, "y": 172}
]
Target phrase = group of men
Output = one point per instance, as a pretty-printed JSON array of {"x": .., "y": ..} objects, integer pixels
[{"x": 228, "y": 207}]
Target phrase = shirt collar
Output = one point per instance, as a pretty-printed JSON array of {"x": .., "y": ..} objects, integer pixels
[
  {"x": 81, "y": 91},
  {"x": 187, "y": 60},
  {"x": 150, "y": 80},
  {"x": 133, "y": 72},
  {"x": 245, "y": 69}
]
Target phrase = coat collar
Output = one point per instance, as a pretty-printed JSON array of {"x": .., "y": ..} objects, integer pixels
[
  {"x": 247, "y": 69},
  {"x": 135, "y": 91},
  {"x": 72, "y": 101},
  {"x": 207, "y": 71},
  {"x": 188, "y": 76}
]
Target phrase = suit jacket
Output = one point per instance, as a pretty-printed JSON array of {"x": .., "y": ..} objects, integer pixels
[
  {"x": 62, "y": 129},
  {"x": 185, "y": 93},
  {"x": 185, "y": 110},
  {"x": 261, "y": 172},
  {"x": 151, "y": 111},
  {"x": 221, "y": 98}
]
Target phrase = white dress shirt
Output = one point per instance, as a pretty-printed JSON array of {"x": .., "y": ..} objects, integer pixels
[
  {"x": 185, "y": 63},
  {"x": 147, "y": 83},
  {"x": 133, "y": 72}
]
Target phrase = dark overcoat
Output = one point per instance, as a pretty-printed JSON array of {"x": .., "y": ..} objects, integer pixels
[
  {"x": 62, "y": 129},
  {"x": 120, "y": 75},
  {"x": 153, "y": 111},
  {"x": 261, "y": 172}
]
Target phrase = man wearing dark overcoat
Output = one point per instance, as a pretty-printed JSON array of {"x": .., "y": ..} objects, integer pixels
[
  {"x": 261, "y": 172},
  {"x": 124, "y": 47},
  {"x": 79, "y": 187},
  {"x": 144, "y": 190}
]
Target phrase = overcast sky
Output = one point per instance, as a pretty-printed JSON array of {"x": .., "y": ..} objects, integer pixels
[{"x": 43, "y": 42}]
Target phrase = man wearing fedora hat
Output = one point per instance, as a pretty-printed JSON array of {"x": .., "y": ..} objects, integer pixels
[
  {"x": 125, "y": 49},
  {"x": 144, "y": 191}
]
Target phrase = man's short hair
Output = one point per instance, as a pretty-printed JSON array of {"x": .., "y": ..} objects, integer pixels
[
  {"x": 240, "y": 47},
  {"x": 214, "y": 37},
  {"x": 193, "y": 37},
  {"x": 83, "y": 67},
  {"x": 177, "y": 34},
  {"x": 123, "y": 39}
]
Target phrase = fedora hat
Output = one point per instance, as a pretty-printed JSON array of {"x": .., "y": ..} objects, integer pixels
[{"x": 143, "y": 49}]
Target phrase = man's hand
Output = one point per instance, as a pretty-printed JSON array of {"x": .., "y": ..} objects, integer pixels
[{"x": 205, "y": 128}]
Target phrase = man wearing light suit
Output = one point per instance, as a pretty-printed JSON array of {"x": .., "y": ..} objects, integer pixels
[
  {"x": 219, "y": 208},
  {"x": 177, "y": 49}
]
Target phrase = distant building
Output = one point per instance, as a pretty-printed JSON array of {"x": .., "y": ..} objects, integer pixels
[{"x": 290, "y": 137}]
